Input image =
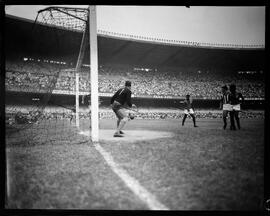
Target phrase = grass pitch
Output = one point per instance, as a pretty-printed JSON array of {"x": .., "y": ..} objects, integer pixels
[{"x": 204, "y": 168}]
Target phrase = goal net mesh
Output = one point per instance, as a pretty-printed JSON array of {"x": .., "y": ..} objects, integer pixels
[
  {"x": 66, "y": 18},
  {"x": 40, "y": 83}
]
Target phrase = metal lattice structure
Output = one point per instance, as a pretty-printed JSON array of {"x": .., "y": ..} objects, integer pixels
[{"x": 64, "y": 17}]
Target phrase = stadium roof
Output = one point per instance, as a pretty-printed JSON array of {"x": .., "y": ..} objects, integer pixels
[{"x": 23, "y": 37}]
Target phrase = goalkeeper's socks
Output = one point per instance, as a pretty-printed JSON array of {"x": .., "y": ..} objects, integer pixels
[
  {"x": 194, "y": 120},
  {"x": 183, "y": 122},
  {"x": 238, "y": 124}
]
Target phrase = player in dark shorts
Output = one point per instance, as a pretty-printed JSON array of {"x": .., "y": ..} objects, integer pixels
[
  {"x": 188, "y": 110},
  {"x": 119, "y": 101},
  {"x": 72, "y": 115},
  {"x": 235, "y": 100},
  {"x": 225, "y": 105}
]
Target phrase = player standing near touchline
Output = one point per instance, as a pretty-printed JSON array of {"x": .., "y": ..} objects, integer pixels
[
  {"x": 188, "y": 110},
  {"x": 225, "y": 105},
  {"x": 235, "y": 99},
  {"x": 118, "y": 102}
]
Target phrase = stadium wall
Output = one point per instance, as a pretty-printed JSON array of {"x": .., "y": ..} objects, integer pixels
[{"x": 22, "y": 98}]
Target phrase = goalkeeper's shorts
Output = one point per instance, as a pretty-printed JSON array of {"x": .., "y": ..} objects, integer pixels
[
  {"x": 227, "y": 107},
  {"x": 119, "y": 110},
  {"x": 236, "y": 107},
  {"x": 188, "y": 111}
]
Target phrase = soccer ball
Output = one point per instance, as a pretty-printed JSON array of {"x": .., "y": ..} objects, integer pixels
[{"x": 131, "y": 116}]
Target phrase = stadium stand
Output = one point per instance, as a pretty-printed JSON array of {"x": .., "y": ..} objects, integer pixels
[
  {"x": 174, "y": 69},
  {"x": 30, "y": 76}
]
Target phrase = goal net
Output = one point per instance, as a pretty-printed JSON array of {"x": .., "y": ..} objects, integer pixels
[{"x": 48, "y": 85}]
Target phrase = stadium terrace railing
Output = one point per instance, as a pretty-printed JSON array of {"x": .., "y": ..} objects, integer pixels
[
  {"x": 180, "y": 42},
  {"x": 156, "y": 40},
  {"x": 102, "y": 94}
]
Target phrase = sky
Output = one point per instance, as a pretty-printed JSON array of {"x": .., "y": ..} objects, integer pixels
[{"x": 232, "y": 25}]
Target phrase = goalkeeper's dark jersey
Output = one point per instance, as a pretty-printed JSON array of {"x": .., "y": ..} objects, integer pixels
[{"x": 123, "y": 96}]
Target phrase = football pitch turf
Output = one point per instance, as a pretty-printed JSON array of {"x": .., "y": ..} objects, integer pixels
[{"x": 204, "y": 168}]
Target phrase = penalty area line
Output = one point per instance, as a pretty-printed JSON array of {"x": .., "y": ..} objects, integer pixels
[{"x": 132, "y": 183}]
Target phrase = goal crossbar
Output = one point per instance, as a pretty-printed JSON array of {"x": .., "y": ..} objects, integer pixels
[
  {"x": 64, "y": 17},
  {"x": 65, "y": 8}
]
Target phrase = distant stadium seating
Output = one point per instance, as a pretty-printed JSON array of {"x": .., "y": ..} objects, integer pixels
[{"x": 35, "y": 77}]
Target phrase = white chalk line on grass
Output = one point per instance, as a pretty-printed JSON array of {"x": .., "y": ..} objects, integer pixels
[
  {"x": 8, "y": 177},
  {"x": 133, "y": 184}
]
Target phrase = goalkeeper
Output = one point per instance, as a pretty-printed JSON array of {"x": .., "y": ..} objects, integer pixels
[{"x": 118, "y": 102}]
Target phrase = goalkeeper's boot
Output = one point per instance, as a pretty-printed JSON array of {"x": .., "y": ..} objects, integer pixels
[
  {"x": 117, "y": 135},
  {"x": 121, "y": 132}
]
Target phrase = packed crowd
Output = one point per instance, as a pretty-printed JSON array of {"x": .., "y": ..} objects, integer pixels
[{"x": 45, "y": 77}]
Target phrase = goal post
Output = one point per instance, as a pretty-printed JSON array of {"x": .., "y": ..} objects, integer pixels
[
  {"x": 78, "y": 70},
  {"x": 94, "y": 73}
]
